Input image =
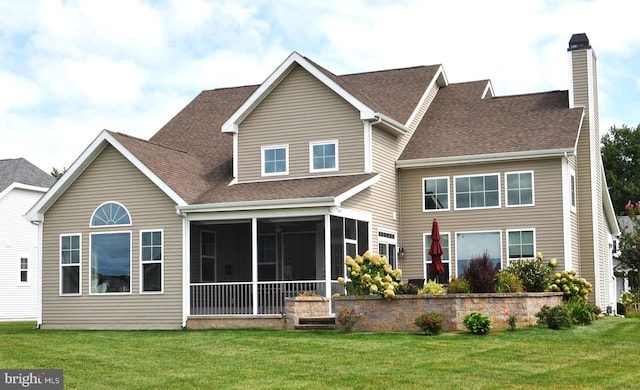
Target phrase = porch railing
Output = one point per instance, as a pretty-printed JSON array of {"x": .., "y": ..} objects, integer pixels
[{"x": 236, "y": 298}]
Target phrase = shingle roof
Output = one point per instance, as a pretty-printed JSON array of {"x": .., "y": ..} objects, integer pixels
[
  {"x": 460, "y": 123},
  {"x": 22, "y": 171},
  {"x": 195, "y": 158}
]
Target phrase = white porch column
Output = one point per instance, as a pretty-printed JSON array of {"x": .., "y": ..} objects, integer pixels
[
  {"x": 327, "y": 255},
  {"x": 254, "y": 264}
]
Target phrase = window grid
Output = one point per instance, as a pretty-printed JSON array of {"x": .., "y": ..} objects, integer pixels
[
  {"x": 482, "y": 191},
  {"x": 24, "y": 270},
  {"x": 70, "y": 266},
  {"x": 521, "y": 244},
  {"x": 275, "y": 160},
  {"x": 519, "y": 188},
  {"x": 151, "y": 259},
  {"x": 324, "y": 156},
  {"x": 435, "y": 194}
]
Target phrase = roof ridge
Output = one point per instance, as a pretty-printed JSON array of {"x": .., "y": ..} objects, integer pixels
[{"x": 388, "y": 70}]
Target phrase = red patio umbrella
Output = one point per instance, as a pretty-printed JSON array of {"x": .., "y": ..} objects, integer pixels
[{"x": 435, "y": 250}]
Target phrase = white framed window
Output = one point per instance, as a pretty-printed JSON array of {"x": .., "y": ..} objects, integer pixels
[
  {"x": 151, "y": 261},
  {"x": 110, "y": 214},
  {"x": 70, "y": 264},
  {"x": 519, "y": 189},
  {"x": 446, "y": 258},
  {"x": 275, "y": 160},
  {"x": 521, "y": 244},
  {"x": 435, "y": 194},
  {"x": 110, "y": 260},
  {"x": 24, "y": 270},
  {"x": 323, "y": 156},
  {"x": 387, "y": 246},
  {"x": 470, "y": 245},
  {"x": 473, "y": 192},
  {"x": 573, "y": 190}
]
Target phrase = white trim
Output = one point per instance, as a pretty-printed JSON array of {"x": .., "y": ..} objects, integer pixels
[
  {"x": 424, "y": 179},
  {"x": 482, "y": 158},
  {"x": 19, "y": 186},
  {"x": 264, "y": 149},
  {"x": 60, "y": 265},
  {"x": 39, "y": 284},
  {"x": 312, "y": 156},
  {"x": 130, "y": 233},
  {"x": 36, "y": 213},
  {"x": 327, "y": 255},
  {"x": 567, "y": 211},
  {"x": 455, "y": 192},
  {"x": 235, "y": 156},
  {"x": 231, "y": 124},
  {"x": 254, "y": 265},
  {"x": 488, "y": 91},
  {"x": 439, "y": 79},
  {"x": 186, "y": 269},
  {"x": 142, "y": 262},
  {"x": 506, "y": 189},
  {"x": 508, "y": 259},
  {"x": 357, "y": 189},
  {"x": 367, "y": 146}
]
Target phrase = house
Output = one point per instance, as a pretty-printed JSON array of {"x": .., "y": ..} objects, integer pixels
[
  {"x": 21, "y": 185},
  {"x": 256, "y": 193}
]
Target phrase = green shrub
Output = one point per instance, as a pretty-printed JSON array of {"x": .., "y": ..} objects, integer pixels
[
  {"x": 430, "y": 323},
  {"x": 507, "y": 282},
  {"x": 477, "y": 323},
  {"x": 581, "y": 311},
  {"x": 556, "y": 317},
  {"x": 458, "y": 286},
  {"x": 432, "y": 287},
  {"x": 481, "y": 274},
  {"x": 532, "y": 272},
  {"x": 571, "y": 285}
]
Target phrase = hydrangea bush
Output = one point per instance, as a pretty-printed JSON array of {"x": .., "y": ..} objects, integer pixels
[
  {"x": 370, "y": 274},
  {"x": 571, "y": 285}
]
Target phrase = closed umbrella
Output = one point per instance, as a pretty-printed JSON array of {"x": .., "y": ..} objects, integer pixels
[{"x": 435, "y": 250}]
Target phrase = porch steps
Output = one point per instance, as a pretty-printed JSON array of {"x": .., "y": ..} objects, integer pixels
[{"x": 316, "y": 323}]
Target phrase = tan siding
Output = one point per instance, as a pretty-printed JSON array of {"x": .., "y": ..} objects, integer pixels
[
  {"x": 112, "y": 178},
  {"x": 545, "y": 217},
  {"x": 300, "y": 110}
]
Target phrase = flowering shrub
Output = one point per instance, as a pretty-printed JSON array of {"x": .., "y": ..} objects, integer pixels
[
  {"x": 430, "y": 323},
  {"x": 632, "y": 209},
  {"x": 477, "y": 323},
  {"x": 347, "y": 319},
  {"x": 371, "y": 275},
  {"x": 631, "y": 300},
  {"x": 533, "y": 273},
  {"x": 572, "y": 286},
  {"x": 511, "y": 319},
  {"x": 432, "y": 287}
]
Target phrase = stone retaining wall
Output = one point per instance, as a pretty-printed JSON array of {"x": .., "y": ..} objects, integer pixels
[
  {"x": 398, "y": 314},
  {"x": 305, "y": 307}
]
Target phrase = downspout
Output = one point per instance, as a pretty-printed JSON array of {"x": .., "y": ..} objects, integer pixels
[
  {"x": 186, "y": 268},
  {"x": 39, "y": 286}
]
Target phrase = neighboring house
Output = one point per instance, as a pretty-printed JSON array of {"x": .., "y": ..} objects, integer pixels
[
  {"x": 255, "y": 193},
  {"x": 21, "y": 185}
]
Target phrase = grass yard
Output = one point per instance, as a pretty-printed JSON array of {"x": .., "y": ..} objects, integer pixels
[{"x": 603, "y": 355}]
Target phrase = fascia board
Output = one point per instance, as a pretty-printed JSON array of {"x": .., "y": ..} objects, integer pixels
[
  {"x": 483, "y": 158},
  {"x": 231, "y": 124},
  {"x": 440, "y": 80},
  {"x": 20, "y": 186},
  {"x": 258, "y": 205},
  {"x": 357, "y": 189},
  {"x": 607, "y": 205}
]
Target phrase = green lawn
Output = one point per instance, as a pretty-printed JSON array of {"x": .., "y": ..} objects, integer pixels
[{"x": 602, "y": 355}]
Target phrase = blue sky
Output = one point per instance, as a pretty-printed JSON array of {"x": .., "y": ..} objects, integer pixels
[{"x": 70, "y": 68}]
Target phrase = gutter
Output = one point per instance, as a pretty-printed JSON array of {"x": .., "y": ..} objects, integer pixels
[{"x": 483, "y": 158}]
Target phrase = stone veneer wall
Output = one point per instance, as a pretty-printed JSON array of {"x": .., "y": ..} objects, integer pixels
[
  {"x": 305, "y": 307},
  {"x": 398, "y": 314}
]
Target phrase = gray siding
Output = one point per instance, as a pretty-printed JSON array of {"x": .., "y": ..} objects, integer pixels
[
  {"x": 300, "y": 110},
  {"x": 112, "y": 178},
  {"x": 545, "y": 217}
]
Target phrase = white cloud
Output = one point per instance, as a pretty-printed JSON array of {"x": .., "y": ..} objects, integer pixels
[{"x": 17, "y": 92}]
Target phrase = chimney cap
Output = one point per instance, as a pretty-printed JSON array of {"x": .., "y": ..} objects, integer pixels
[{"x": 579, "y": 42}]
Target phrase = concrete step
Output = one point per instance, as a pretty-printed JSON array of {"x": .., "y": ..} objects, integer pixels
[{"x": 316, "y": 323}]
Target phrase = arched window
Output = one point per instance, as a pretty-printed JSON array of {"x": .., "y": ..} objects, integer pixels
[{"x": 111, "y": 213}]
